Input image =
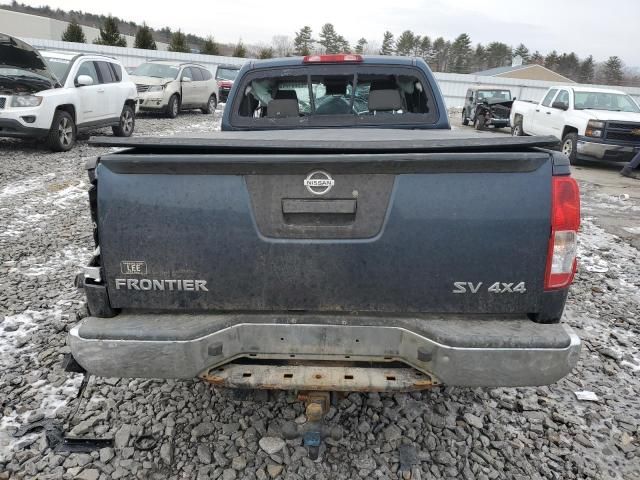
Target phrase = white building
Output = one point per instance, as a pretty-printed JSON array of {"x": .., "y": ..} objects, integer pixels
[{"x": 24, "y": 25}]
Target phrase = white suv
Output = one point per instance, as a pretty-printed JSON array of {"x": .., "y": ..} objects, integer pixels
[{"x": 52, "y": 95}]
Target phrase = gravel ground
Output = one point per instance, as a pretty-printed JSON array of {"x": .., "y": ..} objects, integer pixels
[{"x": 201, "y": 432}]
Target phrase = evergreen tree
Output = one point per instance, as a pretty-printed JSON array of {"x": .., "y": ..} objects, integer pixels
[
  {"x": 239, "y": 50},
  {"x": 387, "y": 47},
  {"x": 265, "y": 52},
  {"x": 144, "y": 38},
  {"x": 537, "y": 58},
  {"x": 587, "y": 70},
  {"x": 210, "y": 47},
  {"x": 440, "y": 50},
  {"x": 613, "y": 71},
  {"x": 110, "y": 35},
  {"x": 342, "y": 45},
  {"x": 406, "y": 43},
  {"x": 424, "y": 49},
  {"x": 178, "y": 42},
  {"x": 329, "y": 39},
  {"x": 461, "y": 54},
  {"x": 303, "y": 41},
  {"x": 498, "y": 55},
  {"x": 569, "y": 65},
  {"x": 479, "y": 58},
  {"x": 551, "y": 60},
  {"x": 523, "y": 52},
  {"x": 360, "y": 46},
  {"x": 74, "y": 33}
]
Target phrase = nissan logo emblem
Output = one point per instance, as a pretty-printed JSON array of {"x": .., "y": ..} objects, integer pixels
[{"x": 319, "y": 182}]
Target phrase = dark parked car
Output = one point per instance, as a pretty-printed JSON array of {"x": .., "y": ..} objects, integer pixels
[{"x": 485, "y": 107}]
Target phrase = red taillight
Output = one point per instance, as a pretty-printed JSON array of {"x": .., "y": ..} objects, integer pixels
[
  {"x": 563, "y": 243},
  {"x": 336, "y": 58}
]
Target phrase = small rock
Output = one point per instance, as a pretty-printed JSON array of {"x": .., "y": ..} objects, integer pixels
[
  {"x": 271, "y": 445},
  {"x": 274, "y": 470},
  {"x": 166, "y": 453},
  {"x": 35, "y": 417},
  {"x": 204, "y": 454},
  {"x": 610, "y": 353},
  {"x": 584, "y": 441},
  {"x": 473, "y": 420},
  {"x": 239, "y": 463},
  {"x": 106, "y": 454},
  {"x": 364, "y": 462},
  {"x": 89, "y": 474},
  {"x": 626, "y": 439},
  {"x": 229, "y": 474},
  {"x": 392, "y": 432},
  {"x": 364, "y": 427},
  {"x": 204, "y": 428},
  {"x": 443, "y": 458},
  {"x": 122, "y": 436}
]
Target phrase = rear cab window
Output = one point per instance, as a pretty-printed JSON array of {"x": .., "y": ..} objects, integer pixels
[{"x": 334, "y": 95}]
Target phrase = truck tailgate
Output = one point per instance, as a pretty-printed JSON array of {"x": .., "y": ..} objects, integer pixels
[{"x": 463, "y": 232}]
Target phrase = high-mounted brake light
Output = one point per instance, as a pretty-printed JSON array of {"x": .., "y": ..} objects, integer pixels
[
  {"x": 563, "y": 243},
  {"x": 336, "y": 58}
]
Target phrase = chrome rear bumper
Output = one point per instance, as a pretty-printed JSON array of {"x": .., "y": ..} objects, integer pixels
[{"x": 454, "y": 350}]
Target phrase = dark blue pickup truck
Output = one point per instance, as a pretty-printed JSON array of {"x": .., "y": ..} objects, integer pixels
[{"x": 337, "y": 235}]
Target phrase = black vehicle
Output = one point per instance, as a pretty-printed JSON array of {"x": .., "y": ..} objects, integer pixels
[
  {"x": 225, "y": 75},
  {"x": 484, "y": 107}
]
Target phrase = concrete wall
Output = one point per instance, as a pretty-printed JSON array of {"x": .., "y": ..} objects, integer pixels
[
  {"x": 21, "y": 25},
  {"x": 132, "y": 57},
  {"x": 454, "y": 87}
]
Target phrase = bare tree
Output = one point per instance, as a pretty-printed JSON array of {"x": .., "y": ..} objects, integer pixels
[{"x": 282, "y": 46}]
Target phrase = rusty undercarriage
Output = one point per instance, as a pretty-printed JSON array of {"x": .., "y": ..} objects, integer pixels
[{"x": 320, "y": 376}]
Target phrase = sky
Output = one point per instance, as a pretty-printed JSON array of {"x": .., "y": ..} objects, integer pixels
[{"x": 583, "y": 26}]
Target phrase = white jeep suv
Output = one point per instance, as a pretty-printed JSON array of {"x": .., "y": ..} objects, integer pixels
[{"x": 53, "y": 95}]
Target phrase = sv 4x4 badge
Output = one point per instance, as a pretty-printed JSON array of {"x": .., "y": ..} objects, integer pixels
[{"x": 497, "y": 287}]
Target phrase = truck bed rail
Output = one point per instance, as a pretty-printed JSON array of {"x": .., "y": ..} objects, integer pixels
[{"x": 330, "y": 141}]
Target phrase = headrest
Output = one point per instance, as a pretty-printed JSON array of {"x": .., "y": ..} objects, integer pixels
[
  {"x": 286, "y": 95},
  {"x": 335, "y": 87},
  {"x": 282, "y": 108},
  {"x": 383, "y": 84},
  {"x": 385, "y": 100}
]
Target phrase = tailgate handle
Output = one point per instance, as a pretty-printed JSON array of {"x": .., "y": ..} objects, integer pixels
[{"x": 303, "y": 206}]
